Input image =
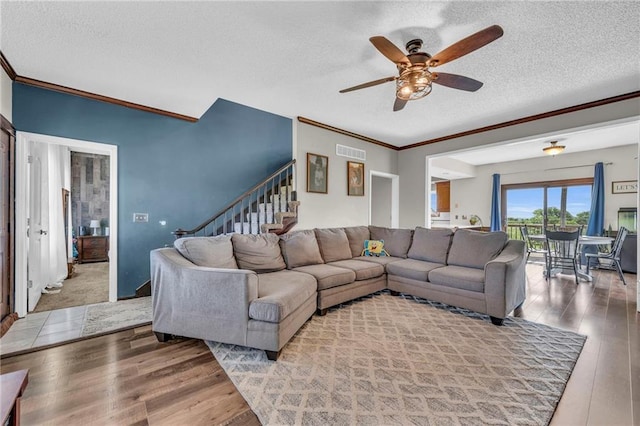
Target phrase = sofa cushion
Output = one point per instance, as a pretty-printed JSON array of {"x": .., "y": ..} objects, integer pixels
[
  {"x": 413, "y": 269},
  {"x": 328, "y": 276},
  {"x": 357, "y": 236},
  {"x": 471, "y": 279},
  {"x": 279, "y": 294},
  {"x": 212, "y": 252},
  {"x": 431, "y": 245},
  {"x": 259, "y": 253},
  {"x": 381, "y": 260},
  {"x": 300, "y": 248},
  {"x": 364, "y": 270},
  {"x": 475, "y": 248},
  {"x": 396, "y": 241},
  {"x": 334, "y": 244}
]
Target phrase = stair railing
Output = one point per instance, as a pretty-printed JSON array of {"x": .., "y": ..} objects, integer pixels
[{"x": 261, "y": 202}]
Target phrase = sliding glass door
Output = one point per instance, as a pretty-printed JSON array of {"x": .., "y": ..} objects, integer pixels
[{"x": 543, "y": 205}]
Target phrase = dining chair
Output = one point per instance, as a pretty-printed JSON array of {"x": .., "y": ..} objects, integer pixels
[
  {"x": 562, "y": 250},
  {"x": 613, "y": 255},
  {"x": 531, "y": 246}
]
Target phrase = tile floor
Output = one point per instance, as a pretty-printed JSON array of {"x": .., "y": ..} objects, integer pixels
[{"x": 44, "y": 328}]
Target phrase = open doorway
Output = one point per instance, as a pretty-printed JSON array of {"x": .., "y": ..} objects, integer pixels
[
  {"x": 43, "y": 248},
  {"x": 384, "y": 201}
]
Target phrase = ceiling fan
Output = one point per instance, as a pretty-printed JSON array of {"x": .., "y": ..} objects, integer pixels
[{"x": 414, "y": 70}]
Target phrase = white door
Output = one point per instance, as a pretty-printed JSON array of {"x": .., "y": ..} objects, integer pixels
[{"x": 38, "y": 222}]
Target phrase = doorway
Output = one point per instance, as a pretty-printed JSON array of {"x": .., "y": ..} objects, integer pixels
[
  {"x": 7, "y": 151},
  {"x": 384, "y": 201},
  {"x": 33, "y": 239}
]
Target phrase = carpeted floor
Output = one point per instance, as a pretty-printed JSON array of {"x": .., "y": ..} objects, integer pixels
[
  {"x": 89, "y": 284},
  {"x": 401, "y": 360}
]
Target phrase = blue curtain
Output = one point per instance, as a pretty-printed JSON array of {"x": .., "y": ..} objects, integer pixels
[
  {"x": 596, "y": 214},
  {"x": 495, "y": 204}
]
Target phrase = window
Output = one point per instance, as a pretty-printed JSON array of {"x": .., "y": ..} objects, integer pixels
[{"x": 542, "y": 205}]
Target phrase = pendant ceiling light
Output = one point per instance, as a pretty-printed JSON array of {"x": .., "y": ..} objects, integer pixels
[{"x": 553, "y": 149}]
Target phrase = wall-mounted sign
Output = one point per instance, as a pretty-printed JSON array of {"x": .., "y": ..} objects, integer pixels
[{"x": 624, "y": 186}]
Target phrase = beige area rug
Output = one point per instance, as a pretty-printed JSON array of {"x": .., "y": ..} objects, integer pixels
[
  {"x": 113, "y": 316},
  {"x": 402, "y": 360},
  {"x": 89, "y": 284}
]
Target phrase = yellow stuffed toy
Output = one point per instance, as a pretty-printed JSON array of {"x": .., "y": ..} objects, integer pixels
[{"x": 374, "y": 248}]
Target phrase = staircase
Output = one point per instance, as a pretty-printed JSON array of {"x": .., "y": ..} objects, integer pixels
[{"x": 270, "y": 206}]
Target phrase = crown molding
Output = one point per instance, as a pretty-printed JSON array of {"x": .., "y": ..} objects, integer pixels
[
  {"x": 528, "y": 119},
  {"x": 94, "y": 96},
  {"x": 6, "y": 66},
  {"x": 346, "y": 133},
  {"x": 68, "y": 90}
]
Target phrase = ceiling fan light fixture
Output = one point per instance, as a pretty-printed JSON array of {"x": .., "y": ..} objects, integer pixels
[
  {"x": 553, "y": 149},
  {"x": 413, "y": 84}
]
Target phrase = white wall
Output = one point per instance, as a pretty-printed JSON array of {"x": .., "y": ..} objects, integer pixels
[
  {"x": 336, "y": 208},
  {"x": 5, "y": 95},
  {"x": 412, "y": 164},
  {"x": 473, "y": 195}
]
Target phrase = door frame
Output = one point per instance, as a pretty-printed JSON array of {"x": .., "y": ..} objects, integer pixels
[
  {"x": 395, "y": 195},
  {"x": 22, "y": 190}
]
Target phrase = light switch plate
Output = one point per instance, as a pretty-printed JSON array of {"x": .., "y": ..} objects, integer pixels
[{"x": 141, "y": 217}]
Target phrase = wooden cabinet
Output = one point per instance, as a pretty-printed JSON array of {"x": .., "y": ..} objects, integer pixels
[
  {"x": 93, "y": 249},
  {"x": 13, "y": 386},
  {"x": 442, "y": 196}
]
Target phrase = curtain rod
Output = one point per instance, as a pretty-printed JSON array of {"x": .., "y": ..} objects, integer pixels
[{"x": 554, "y": 168}]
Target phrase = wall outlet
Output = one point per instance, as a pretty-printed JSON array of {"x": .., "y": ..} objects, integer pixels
[{"x": 141, "y": 217}]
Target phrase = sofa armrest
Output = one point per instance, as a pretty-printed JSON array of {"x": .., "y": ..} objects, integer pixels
[
  {"x": 505, "y": 279},
  {"x": 200, "y": 302}
]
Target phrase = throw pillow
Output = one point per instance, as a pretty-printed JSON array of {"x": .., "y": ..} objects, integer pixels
[
  {"x": 334, "y": 244},
  {"x": 475, "y": 248},
  {"x": 300, "y": 248},
  {"x": 259, "y": 253},
  {"x": 374, "y": 248},
  {"x": 212, "y": 252},
  {"x": 430, "y": 245},
  {"x": 396, "y": 241}
]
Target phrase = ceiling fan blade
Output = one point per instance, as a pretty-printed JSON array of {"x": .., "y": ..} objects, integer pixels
[
  {"x": 456, "y": 81},
  {"x": 466, "y": 45},
  {"x": 368, "y": 84},
  {"x": 399, "y": 104},
  {"x": 389, "y": 50}
]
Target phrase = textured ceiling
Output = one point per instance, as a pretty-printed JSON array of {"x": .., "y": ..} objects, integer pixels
[{"x": 291, "y": 58}]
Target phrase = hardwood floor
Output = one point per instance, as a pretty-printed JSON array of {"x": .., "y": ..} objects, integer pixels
[{"x": 130, "y": 378}]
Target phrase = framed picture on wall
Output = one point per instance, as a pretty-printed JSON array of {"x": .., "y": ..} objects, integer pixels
[
  {"x": 317, "y": 173},
  {"x": 624, "y": 187},
  {"x": 355, "y": 178}
]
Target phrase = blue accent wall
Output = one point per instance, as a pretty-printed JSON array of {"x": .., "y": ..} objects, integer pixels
[{"x": 174, "y": 170}]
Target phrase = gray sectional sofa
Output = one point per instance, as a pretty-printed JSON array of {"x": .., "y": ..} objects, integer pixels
[{"x": 258, "y": 290}]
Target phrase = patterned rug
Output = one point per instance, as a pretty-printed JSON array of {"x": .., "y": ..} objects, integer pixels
[
  {"x": 395, "y": 360},
  {"x": 113, "y": 316}
]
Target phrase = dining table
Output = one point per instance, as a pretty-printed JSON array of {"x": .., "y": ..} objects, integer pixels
[{"x": 583, "y": 240}]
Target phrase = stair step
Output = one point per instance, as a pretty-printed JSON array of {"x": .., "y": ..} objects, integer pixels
[
  {"x": 248, "y": 228},
  {"x": 271, "y": 206},
  {"x": 260, "y": 217},
  {"x": 269, "y": 226}
]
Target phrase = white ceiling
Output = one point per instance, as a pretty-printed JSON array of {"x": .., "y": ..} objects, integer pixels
[
  {"x": 584, "y": 140},
  {"x": 291, "y": 58},
  {"x": 460, "y": 165}
]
